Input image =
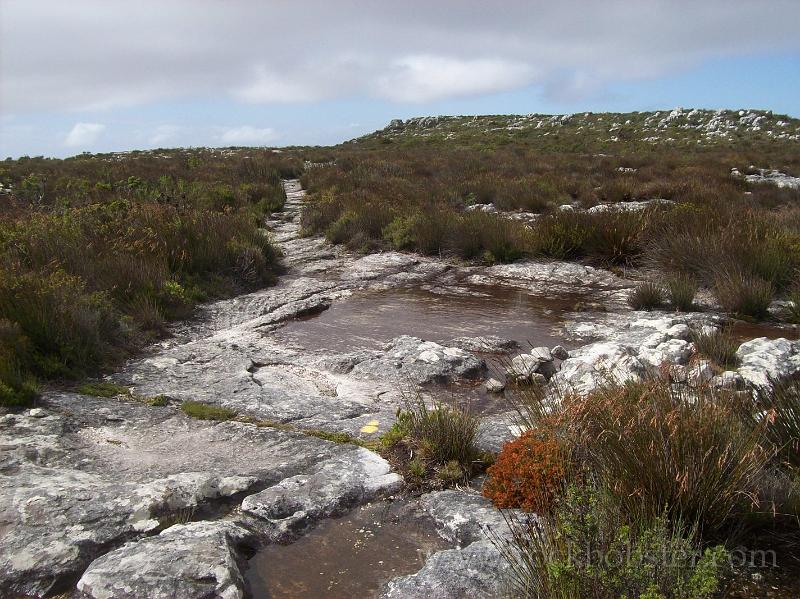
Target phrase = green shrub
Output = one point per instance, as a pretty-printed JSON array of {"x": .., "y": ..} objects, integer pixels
[
  {"x": 203, "y": 411},
  {"x": 103, "y": 389},
  {"x": 719, "y": 346},
  {"x": 17, "y": 388},
  {"x": 646, "y": 296},
  {"x": 682, "y": 289},
  {"x": 744, "y": 295},
  {"x": 674, "y": 451},
  {"x": 587, "y": 548},
  {"x": 441, "y": 434}
]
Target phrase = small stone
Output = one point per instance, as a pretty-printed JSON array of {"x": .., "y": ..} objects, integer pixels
[
  {"x": 559, "y": 352},
  {"x": 700, "y": 373},
  {"x": 538, "y": 379},
  {"x": 494, "y": 386},
  {"x": 542, "y": 354},
  {"x": 523, "y": 365},
  {"x": 37, "y": 413}
]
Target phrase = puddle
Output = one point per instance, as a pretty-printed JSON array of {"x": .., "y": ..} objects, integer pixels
[
  {"x": 744, "y": 331},
  {"x": 351, "y": 556},
  {"x": 368, "y": 320}
]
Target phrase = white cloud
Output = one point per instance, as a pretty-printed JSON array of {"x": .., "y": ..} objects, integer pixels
[
  {"x": 426, "y": 78},
  {"x": 164, "y": 134},
  {"x": 84, "y": 135},
  {"x": 91, "y": 54},
  {"x": 247, "y": 135}
]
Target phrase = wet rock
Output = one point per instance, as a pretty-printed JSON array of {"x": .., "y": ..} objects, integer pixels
[
  {"x": 293, "y": 505},
  {"x": 488, "y": 344},
  {"x": 494, "y": 386},
  {"x": 477, "y": 571},
  {"x": 464, "y": 517},
  {"x": 412, "y": 359},
  {"x": 559, "y": 352},
  {"x": 763, "y": 359},
  {"x": 196, "y": 560}
]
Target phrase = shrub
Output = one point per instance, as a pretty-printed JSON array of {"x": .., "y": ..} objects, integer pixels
[
  {"x": 718, "y": 345},
  {"x": 442, "y": 434},
  {"x": 202, "y": 411},
  {"x": 587, "y": 548},
  {"x": 670, "y": 450},
  {"x": 682, "y": 289},
  {"x": 646, "y": 296},
  {"x": 528, "y": 472},
  {"x": 17, "y": 389},
  {"x": 103, "y": 389},
  {"x": 743, "y": 295}
]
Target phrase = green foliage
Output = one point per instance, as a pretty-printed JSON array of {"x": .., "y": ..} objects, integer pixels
[
  {"x": 718, "y": 345},
  {"x": 744, "y": 295},
  {"x": 17, "y": 389},
  {"x": 682, "y": 289},
  {"x": 587, "y": 548},
  {"x": 103, "y": 389},
  {"x": 203, "y": 411},
  {"x": 646, "y": 296}
]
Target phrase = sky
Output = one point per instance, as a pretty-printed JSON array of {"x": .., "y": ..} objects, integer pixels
[{"x": 112, "y": 75}]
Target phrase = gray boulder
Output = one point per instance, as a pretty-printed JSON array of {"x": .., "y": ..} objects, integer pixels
[{"x": 763, "y": 359}]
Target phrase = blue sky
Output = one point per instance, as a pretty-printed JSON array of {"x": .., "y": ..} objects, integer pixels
[{"x": 100, "y": 75}]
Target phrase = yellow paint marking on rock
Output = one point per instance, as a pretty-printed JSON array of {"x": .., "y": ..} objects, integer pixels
[{"x": 370, "y": 427}]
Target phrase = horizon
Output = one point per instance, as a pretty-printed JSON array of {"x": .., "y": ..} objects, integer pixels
[{"x": 207, "y": 74}]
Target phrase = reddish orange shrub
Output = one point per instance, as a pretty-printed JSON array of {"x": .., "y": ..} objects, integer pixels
[{"x": 527, "y": 473}]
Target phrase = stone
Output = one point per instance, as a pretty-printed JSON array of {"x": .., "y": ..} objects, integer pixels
[
  {"x": 494, "y": 386},
  {"x": 523, "y": 365},
  {"x": 700, "y": 373},
  {"x": 290, "y": 507},
  {"x": 762, "y": 359},
  {"x": 37, "y": 413},
  {"x": 537, "y": 378},
  {"x": 559, "y": 352},
  {"x": 542, "y": 354},
  {"x": 487, "y": 344},
  {"x": 192, "y": 561},
  {"x": 597, "y": 364}
]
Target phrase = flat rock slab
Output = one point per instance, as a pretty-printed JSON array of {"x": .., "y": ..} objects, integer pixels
[{"x": 190, "y": 561}]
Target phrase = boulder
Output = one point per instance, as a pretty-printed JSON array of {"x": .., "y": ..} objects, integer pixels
[
  {"x": 763, "y": 359},
  {"x": 191, "y": 561},
  {"x": 559, "y": 352},
  {"x": 598, "y": 364},
  {"x": 494, "y": 386}
]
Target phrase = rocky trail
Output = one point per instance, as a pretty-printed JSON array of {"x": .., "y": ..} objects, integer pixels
[{"x": 116, "y": 498}]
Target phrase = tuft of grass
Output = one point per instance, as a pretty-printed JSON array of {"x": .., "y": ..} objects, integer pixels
[
  {"x": 781, "y": 418},
  {"x": 157, "y": 401},
  {"x": 103, "y": 389},
  {"x": 682, "y": 289},
  {"x": 646, "y": 296},
  {"x": 203, "y": 411},
  {"x": 718, "y": 346},
  {"x": 744, "y": 295}
]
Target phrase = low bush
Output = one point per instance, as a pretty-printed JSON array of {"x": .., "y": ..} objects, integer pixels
[
  {"x": 682, "y": 289},
  {"x": 666, "y": 450},
  {"x": 718, "y": 345},
  {"x": 528, "y": 472},
  {"x": 744, "y": 295},
  {"x": 203, "y": 411},
  {"x": 17, "y": 388},
  {"x": 586, "y": 547},
  {"x": 646, "y": 296},
  {"x": 442, "y": 435}
]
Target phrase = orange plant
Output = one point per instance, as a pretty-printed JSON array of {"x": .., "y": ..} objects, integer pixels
[{"x": 528, "y": 472}]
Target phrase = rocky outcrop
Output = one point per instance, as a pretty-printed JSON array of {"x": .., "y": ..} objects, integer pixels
[{"x": 192, "y": 561}]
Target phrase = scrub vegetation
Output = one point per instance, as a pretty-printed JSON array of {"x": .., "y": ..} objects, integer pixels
[{"x": 99, "y": 252}]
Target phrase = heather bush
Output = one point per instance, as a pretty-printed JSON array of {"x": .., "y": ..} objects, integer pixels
[
  {"x": 587, "y": 547},
  {"x": 647, "y": 295}
]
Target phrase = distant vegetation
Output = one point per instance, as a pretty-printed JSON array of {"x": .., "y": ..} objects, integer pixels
[
  {"x": 98, "y": 252},
  {"x": 425, "y": 185}
]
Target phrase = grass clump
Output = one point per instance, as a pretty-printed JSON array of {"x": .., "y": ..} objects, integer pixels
[
  {"x": 203, "y": 411},
  {"x": 646, "y": 296},
  {"x": 744, "y": 295},
  {"x": 103, "y": 389},
  {"x": 781, "y": 418},
  {"x": 718, "y": 345},
  {"x": 682, "y": 289}
]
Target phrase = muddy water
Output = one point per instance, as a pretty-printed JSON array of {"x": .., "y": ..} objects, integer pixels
[
  {"x": 352, "y": 556},
  {"x": 368, "y": 320}
]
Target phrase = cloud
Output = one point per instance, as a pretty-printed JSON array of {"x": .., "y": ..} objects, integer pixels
[
  {"x": 164, "y": 134},
  {"x": 426, "y": 78},
  {"x": 84, "y": 135},
  {"x": 91, "y": 54},
  {"x": 247, "y": 135}
]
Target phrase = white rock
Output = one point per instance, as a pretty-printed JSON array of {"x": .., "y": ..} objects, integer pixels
[
  {"x": 559, "y": 352},
  {"x": 37, "y": 413},
  {"x": 762, "y": 359},
  {"x": 700, "y": 373},
  {"x": 494, "y": 386},
  {"x": 542, "y": 354}
]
